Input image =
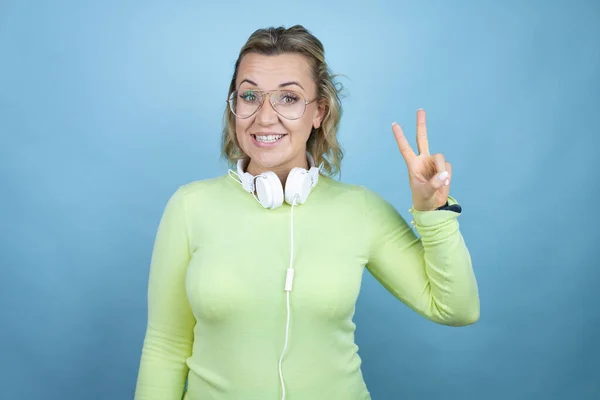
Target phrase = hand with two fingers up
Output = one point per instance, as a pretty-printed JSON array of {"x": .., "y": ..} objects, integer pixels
[{"x": 429, "y": 175}]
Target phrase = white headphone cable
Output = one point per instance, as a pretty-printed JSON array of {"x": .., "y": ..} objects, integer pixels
[{"x": 289, "y": 278}]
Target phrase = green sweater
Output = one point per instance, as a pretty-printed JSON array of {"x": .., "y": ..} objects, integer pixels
[{"x": 216, "y": 299}]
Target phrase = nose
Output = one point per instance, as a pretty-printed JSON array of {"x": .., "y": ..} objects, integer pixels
[{"x": 267, "y": 114}]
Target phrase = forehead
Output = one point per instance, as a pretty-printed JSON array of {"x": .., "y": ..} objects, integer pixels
[{"x": 271, "y": 71}]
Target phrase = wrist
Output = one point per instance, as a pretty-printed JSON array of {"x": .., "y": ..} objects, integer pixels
[{"x": 424, "y": 208}]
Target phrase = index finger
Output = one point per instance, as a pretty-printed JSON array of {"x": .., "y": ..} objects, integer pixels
[
  {"x": 422, "y": 141},
  {"x": 405, "y": 149}
]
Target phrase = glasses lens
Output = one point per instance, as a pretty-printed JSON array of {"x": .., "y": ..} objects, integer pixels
[
  {"x": 289, "y": 104},
  {"x": 244, "y": 103}
]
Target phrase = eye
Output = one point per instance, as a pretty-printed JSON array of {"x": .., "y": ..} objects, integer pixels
[
  {"x": 288, "y": 98},
  {"x": 249, "y": 96}
]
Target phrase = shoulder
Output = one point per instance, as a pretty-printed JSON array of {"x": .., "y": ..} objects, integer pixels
[
  {"x": 201, "y": 188},
  {"x": 358, "y": 197},
  {"x": 209, "y": 184},
  {"x": 197, "y": 193},
  {"x": 349, "y": 190},
  {"x": 332, "y": 187}
]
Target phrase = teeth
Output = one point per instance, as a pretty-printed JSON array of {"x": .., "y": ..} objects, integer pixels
[{"x": 268, "y": 138}]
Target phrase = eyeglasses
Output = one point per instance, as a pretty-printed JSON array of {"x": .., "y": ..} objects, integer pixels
[{"x": 287, "y": 103}]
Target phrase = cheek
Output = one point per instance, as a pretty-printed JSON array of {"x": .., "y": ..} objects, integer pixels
[
  {"x": 300, "y": 128},
  {"x": 241, "y": 126}
]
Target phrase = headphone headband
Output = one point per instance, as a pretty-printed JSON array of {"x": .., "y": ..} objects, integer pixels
[
  {"x": 246, "y": 178},
  {"x": 313, "y": 170}
]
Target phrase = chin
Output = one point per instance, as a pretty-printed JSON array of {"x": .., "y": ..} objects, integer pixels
[{"x": 268, "y": 159}]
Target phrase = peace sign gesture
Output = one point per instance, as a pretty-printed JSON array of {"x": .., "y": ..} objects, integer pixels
[{"x": 429, "y": 175}]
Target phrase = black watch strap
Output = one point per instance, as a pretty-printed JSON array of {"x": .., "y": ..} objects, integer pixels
[{"x": 454, "y": 207}]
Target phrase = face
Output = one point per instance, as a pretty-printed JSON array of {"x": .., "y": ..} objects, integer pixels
[{"x": 273, "y": 142}]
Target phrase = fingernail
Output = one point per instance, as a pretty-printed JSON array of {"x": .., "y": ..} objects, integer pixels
[
  {"x": 394, "y": 123},
  {"x": 443, "y": 175},
  {"x": 447, "y": 182}
]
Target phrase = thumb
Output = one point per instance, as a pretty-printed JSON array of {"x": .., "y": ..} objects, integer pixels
[{"x": 439, "y": 180}]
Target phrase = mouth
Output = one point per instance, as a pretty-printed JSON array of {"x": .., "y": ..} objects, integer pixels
[{"x": 267, "y": 138}]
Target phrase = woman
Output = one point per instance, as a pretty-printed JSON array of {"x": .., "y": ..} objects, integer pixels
[{"x": 255, "y": 274}]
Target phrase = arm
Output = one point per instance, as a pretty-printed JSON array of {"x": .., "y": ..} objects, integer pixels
[
  {"x": 433, "y": 274},
  {"x": 169, "y": 335}
]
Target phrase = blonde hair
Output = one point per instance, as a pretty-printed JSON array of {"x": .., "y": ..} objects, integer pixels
[{"x": 322, "y": 143}]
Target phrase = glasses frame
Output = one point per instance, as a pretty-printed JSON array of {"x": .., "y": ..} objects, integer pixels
[{"x": 268, "y": 93}]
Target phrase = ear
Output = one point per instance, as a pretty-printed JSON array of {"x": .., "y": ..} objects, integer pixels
[{"x": 320, "y": 115}]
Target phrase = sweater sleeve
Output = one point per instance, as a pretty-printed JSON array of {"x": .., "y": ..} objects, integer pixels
[
  {"x": 431, "y": 274},
  {"x": 169, "y": 333}
]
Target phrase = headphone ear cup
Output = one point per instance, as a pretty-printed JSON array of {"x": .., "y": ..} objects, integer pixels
[
  {"x": 297, "y": 186},
  {"x": 269, "y": 190}
]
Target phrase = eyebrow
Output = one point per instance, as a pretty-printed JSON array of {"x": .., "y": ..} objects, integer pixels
[{"x": 290, "y": 83}]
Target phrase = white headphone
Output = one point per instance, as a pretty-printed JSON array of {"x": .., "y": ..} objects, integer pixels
[
  {"x": 271, "y": 194},
  {"x": 269, "y": 190}
]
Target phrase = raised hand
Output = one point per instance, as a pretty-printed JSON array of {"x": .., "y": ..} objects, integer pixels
[{"x": 429, "y": 175}]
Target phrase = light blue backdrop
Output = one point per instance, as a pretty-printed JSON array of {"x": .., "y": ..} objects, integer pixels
[{"x": 107, "y": 107}]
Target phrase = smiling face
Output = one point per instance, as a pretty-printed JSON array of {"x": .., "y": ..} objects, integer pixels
[{"x": 272, "y": 142}]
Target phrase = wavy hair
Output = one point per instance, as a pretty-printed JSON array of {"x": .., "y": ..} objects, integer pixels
[{"x": 322, "y": 142}]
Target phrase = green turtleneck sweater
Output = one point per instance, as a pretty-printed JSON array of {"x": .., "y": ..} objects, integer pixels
[{"x": 216, "y": 299}]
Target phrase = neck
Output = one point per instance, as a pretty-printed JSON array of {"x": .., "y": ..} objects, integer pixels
[{"x": 282, "y": 171}]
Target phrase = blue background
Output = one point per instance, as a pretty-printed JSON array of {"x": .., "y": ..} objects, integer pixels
[{"x": 107, "y": 107}]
